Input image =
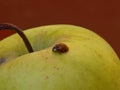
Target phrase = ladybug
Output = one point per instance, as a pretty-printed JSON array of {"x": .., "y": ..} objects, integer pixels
[{"x": 60, "y": 48}]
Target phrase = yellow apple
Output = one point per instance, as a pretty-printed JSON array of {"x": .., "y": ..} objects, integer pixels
[{"x": 65, "y": 57}]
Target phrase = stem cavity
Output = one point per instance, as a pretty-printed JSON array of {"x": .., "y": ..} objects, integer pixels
[{"x": 6, "y": 26}]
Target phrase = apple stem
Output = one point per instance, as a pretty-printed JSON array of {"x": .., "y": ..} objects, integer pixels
[{"x": 7, "y": 26}]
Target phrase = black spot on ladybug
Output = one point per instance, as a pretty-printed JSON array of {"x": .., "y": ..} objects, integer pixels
[{"x": 60, "y": 48}]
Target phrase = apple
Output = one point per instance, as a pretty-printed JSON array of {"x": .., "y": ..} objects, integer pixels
[{"x": 57, "y": 57}]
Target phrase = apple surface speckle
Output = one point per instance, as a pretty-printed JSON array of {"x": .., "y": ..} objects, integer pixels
[
  {"x": 2, "y": 60},
  {"x": 47, "y": 77}
]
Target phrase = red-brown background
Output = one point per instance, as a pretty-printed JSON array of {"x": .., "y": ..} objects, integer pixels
[{"x": 101, "y": 16}]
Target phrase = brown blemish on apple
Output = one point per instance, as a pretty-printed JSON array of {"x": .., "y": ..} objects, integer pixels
[
  {"x": 60, "y": 48},
  {"x": 2, "y": 60},
  {"x": 100, "y": 55},
  {"x": 46, "y": 58},
  {"x": 56, "y": 68},
  {"x": 46, "y": 77},
  {"x": 43, "y": 55}
]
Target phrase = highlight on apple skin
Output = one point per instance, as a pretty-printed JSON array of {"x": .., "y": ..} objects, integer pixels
[{"x": 60, "y": 57}]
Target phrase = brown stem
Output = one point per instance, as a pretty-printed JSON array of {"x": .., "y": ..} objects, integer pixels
[{"x": 7, "y": 26}]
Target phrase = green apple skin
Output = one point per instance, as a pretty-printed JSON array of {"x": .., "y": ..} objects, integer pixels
[{"x": 90, "y": 63}]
